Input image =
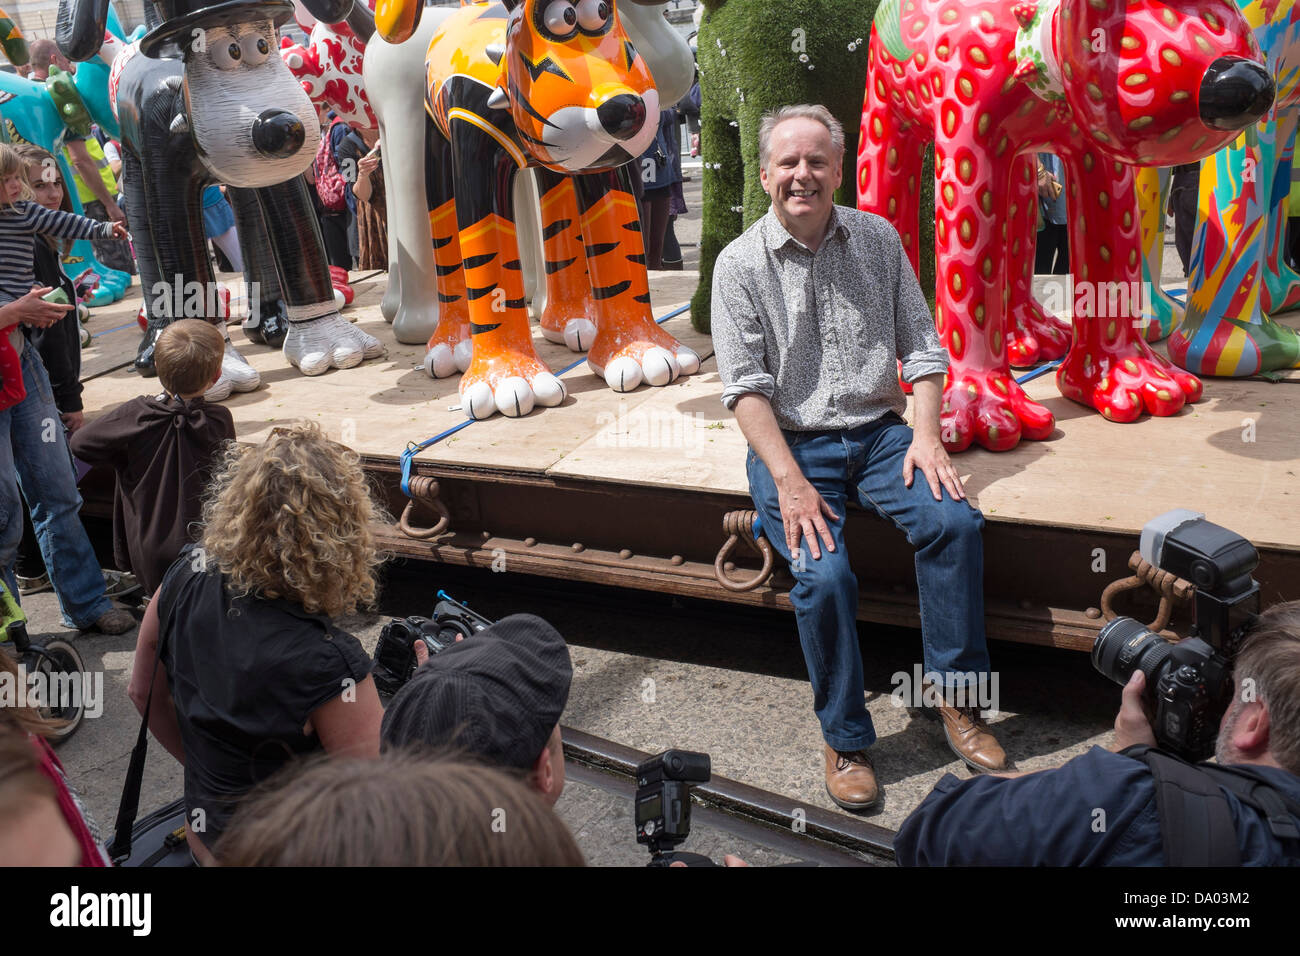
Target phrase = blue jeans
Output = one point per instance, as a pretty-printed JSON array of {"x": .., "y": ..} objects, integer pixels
[
  {"x": 34, "y": 456},
  {"x": 866, "y": 463}
]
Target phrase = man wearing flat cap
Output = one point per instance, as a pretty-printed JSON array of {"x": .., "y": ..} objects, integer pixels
[{"x": 498, "y": 695}]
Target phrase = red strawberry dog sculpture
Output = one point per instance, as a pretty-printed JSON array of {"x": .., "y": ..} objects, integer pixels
[{"x": 1105, "y": 84}]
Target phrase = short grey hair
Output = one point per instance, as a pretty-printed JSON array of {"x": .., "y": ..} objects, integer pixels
[{"x": 810, "y": 111}]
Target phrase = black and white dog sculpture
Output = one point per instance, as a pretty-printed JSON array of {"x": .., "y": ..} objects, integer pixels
[{"x": 205, "y": 97}]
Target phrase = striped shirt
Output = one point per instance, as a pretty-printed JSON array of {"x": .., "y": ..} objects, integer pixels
[
  {"x": 20, "y": 224},
  {"x": 818, "y": 333}
]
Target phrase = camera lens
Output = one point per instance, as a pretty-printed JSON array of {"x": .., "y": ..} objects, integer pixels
[{"x": 1125, "y": 645}]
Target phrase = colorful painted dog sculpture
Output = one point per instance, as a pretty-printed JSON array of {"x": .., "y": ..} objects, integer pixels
[
  {"x": 225, "y": 109},
  {"x": 1237, "y": 273},
  {"x": 538, "y": 83},
  {"x": 1107, "y": 84}
]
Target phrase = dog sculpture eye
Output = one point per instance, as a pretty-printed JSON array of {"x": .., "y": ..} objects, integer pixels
[
  {"x": 593, "y": 15},
  {"x": 255, "y": 48},
  {"x": 561, "y": 19},
  {"x": 226, "y": 55}
]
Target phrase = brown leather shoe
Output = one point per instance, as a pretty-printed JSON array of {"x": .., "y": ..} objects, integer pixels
[
  {"x": 851, "y": 779},
  {"x": 970, "y": 739}
]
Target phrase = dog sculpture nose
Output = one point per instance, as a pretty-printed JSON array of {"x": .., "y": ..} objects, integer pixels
[
  {"x": 622, "y": 116},
  {"x": 278, "y": 133},
  {"x": 1235, "y": 93}
]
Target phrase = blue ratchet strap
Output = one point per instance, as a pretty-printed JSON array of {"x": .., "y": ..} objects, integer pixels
[
  {"x": 412, "y": 449},
  {"x": 1041, "y": 370},
  {"x": 758, "y": 526},
  {"x": 120, "y": 328},
  {"x": 670, "y": 315}
]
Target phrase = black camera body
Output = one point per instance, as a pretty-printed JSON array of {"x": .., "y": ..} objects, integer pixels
[
  {"x": 663, "y": 804},
  {"x": 1189, "y": 684},
  {"x": 395, "y": 652}
]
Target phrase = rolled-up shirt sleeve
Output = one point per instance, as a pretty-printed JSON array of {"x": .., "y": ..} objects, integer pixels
[
  {"x": 738, "y": 341},
  {"x": 915, "y": 338}
]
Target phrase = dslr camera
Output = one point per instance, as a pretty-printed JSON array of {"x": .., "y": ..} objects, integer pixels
[
  {"x": 395, "y": 652},
  {"x": 663, "y": 804},
  {"x": 1188, "y": 684}
]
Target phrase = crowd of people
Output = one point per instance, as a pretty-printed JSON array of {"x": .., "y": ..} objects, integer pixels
[
  {"x": 353, "y": 219},
  {"x": 42, "y": 543}
]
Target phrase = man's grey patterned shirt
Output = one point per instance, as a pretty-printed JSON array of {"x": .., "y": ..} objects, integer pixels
[{"x": 818, "y": 333}]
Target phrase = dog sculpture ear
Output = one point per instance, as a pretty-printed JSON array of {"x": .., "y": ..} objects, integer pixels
[
  {"x": 79, "y": 30},
  {"x": 396, "y": 20},
  {"x": 328, "y": 11},
  {"x": 362, "y": 22}
]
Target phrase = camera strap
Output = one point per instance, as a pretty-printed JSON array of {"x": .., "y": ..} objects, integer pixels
[
  {"x": 1278, "y": 809},
  {"x": 1196, "y": 823},
  {"x": 119, "y": 848}
]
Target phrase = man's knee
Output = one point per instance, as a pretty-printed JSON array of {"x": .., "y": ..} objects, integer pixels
[
  {"x": 949, "y": 522},
  {"x": 826, "y": 576}
]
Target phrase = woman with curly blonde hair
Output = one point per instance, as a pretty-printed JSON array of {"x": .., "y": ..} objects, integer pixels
[
  {"x": 255, "y": 673},
  {"x": 291, "y": 518}
]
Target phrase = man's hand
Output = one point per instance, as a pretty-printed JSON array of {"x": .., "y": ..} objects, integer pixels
[
  {"x": 927, "y": 453},
  {"x": 422, "y": 651},
  {"x": 32, "y": 310},
  {"x": 73, "y": 420},
  {"x": 1132, "y": 726},
  {"x": 116, "y": 215},
  {"x": 804, "y": 513}
]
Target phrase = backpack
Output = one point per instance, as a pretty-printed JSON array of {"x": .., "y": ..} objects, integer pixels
[
  {"x": 1196, "y": 825},
  {"x": 329, "y": 181}
]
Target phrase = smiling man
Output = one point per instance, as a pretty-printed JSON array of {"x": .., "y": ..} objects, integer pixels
[{"x": 812, "y": 307}]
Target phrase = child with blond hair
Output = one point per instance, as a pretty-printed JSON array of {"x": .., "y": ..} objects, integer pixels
[{"x": 163, "y": 448}]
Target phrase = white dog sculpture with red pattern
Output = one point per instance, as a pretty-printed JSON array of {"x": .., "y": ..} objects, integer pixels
[{"x": 329, "y": 67}]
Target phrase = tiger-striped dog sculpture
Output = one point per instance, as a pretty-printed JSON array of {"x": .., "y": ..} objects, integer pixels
[{"x": 555, "y": 85}]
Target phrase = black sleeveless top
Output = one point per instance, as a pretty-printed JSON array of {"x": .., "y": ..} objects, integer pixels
[{"x": 245, "y": 674}]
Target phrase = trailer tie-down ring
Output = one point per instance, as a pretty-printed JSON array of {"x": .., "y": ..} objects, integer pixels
[
  {"x": 1168, "y": 585},
  {"x": 424, "y": 489},
  {"x": 738, "y": 525}
]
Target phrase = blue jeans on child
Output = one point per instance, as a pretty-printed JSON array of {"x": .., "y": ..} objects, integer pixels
[
  {"x": 867, "y": 463},
  {"x": 34, "y": 456}
]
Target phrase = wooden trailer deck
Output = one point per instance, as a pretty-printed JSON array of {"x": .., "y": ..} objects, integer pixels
[{"x": 630, "y": 488}]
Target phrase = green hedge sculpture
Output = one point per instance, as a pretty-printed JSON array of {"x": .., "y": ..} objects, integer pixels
[{"x": 756, "y": 55}]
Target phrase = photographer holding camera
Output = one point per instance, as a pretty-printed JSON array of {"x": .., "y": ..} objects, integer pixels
[
  {"x": 1113, "y": 809},
  {"x": 498, "y": 696},
  {"x": 495, "y": 692}
]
